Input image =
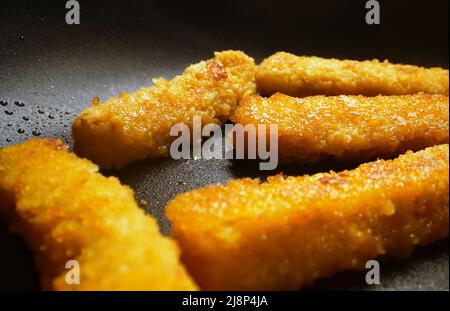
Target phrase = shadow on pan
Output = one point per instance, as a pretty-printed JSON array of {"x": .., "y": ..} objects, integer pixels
[
  {"x": 54, "y": 70},
  {"x": 19, "y": 272}
]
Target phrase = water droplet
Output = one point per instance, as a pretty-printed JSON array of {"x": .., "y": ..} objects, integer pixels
[
  {"x": 42, "y": 19},
  {"x": 21, "y": 37},
  {"x": 9, "y": 124},
  {"x": 36, "y": 133},
  {"x": 8, "y": 140},
  {"x": 19, "y": 104},
  {"x": 9, "y": 112},
  {"x": 50, "y": 116},
  {"x": 20, "y": 131},
  {"x": 3, "y": 103},
  {"x": 40, "y": 111},
  {"x": 67, "y": 112},
  {"x": 25, "y": 118}
]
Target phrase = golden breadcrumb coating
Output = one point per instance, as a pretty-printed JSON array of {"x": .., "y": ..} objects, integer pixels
[
  {"x": 349, "y": 128},
  {"x": 66, "y": 210},
  {"x": 289, "y": 231},
  {"x": 304, "y": 76},
  {"x": 136, "y": 126}
]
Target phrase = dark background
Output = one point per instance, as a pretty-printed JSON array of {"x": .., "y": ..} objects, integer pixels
[{"x": 55, "y": 69}]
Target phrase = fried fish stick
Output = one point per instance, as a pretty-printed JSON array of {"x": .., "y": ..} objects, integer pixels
[
  {"x": 285, "y": 233},
  {"x": 349, "y": 128},
  {"x": 304, "y": 76},
  {"x": 66, "y": 211},
  {"x": 136, "y": 126}
]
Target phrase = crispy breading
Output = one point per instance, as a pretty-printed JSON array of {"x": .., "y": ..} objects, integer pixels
[
  {"x": 66, "y": 210},
  {"x": 349, "y": 128},
  {"x": 304, "y": 76},
  {"x": 136, "y": 126},
  {"x": 285, "y": 233}
]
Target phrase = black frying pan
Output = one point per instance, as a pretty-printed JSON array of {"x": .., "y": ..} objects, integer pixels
[{"x": 53, "y": 70}]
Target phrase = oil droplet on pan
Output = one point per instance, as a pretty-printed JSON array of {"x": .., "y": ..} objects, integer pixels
[
  {"x": 20, "y": 131},
  {"x": 36, "y": 133}
]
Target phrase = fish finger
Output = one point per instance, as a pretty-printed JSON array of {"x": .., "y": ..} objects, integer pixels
[
  {"x": 349, "y": 128},
  {"x": 286, "y": 233},
  {"x": 136, "y": 126},
  {"x": 305, "y": 76},
  {"x": 67, "y": 211}
]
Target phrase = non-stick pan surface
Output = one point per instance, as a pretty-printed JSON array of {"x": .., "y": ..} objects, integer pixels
[{"x": 53, "y": 70}]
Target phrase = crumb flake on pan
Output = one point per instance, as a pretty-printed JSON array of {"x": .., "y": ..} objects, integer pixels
[
  {"x": 349, "y": 128},
  {"x": 136, "y": 126},
  {"x": 307, "y": 75},
  {"x": 66, "y": 211},
  {"x": 285, "y": 233}
]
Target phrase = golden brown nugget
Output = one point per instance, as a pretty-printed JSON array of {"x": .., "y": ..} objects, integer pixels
[
  {"x": 285, "y": 233},
  {"x": 66, "y": 211},
  {"x": 304, "y": 76},
  {"x": 136, "y": 126},
  {"x": 349, "y": 128}
]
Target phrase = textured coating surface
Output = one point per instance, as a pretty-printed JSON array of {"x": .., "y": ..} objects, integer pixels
[
  {"x": 60, "y": 66},
  {"x": 289, "y": 231},
  {"x": 349, "y": 128},
  {"x": 66, "y": 210},
  {"x": 304, "y": 76},
  {"x": 136, "y": 126}
]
